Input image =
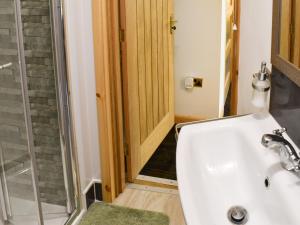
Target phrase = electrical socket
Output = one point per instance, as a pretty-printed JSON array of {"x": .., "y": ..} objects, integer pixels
[{"x": 198, "y": 82}]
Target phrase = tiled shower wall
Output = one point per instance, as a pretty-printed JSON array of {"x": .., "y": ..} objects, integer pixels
[
  {"x": 42, "y": 97},
  {"x": 285, "y": 104}
]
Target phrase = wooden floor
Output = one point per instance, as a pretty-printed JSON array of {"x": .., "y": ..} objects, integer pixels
[{"x": 155, "y": 199}]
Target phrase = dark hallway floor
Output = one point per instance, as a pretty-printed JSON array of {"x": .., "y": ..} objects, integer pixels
[{"x": 163, "y": 162}]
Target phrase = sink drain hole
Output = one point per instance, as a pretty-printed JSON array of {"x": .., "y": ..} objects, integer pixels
[
  {"x": 267, "y": 182},
  {"x": 238, "y": 215}
]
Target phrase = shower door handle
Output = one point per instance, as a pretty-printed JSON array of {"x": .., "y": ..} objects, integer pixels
[{"x": 5, "y": 65}]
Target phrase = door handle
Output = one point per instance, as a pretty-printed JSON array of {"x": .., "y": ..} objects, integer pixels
[
  {"x": 5, "y": 65},
  {"x": 172, "y": 24}
]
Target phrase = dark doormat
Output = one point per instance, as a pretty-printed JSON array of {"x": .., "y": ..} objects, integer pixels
[{"x": 106, "y": 214}]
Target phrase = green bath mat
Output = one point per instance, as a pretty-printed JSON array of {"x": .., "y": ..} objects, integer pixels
[{"x": 105, "y": 214}]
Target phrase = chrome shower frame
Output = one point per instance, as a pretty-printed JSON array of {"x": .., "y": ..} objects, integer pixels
[
  {"x": 69, "y": 155},
  {"x": 61, "y": 84}
]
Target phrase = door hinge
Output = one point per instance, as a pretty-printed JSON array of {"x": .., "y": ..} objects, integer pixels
[
  {"x": 172, "y": 24},
  {"x": 122, "y": 35},
  {"x": 126, "y": 152}
]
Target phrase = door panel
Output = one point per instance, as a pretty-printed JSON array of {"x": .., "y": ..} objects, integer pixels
[
  {"x": 148, "y": 66},
  {"x": 289, "y": 32},
  {"x": 154, "y": 62},
  {"x": 160, "y": 57},
  {"x": 147, "y": 78},
  {"x": 166, "y": 32},
  {"x": 141, "y": 69},
  {"x": 296, "y": 43},
  {"x": 285, "y": 29}
]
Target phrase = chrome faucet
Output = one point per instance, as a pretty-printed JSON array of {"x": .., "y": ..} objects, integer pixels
[{"x": 290, "y": 159}]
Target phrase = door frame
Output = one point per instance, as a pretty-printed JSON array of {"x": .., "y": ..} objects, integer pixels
[
  {"x": 235, "y": 64},
  {"x": 107, "y": 54}
]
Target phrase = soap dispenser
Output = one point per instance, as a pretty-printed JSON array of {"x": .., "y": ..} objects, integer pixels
[{"x": 261, "y": 85}]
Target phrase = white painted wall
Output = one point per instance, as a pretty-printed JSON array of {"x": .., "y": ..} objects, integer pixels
[
  {"x": 255, "y": 46},
  {"x": 194, "y": 58},
  {"x": 79, "y": 38},
  {"x": 197, "y": 52},
  {"x": 199, "y": 43}
]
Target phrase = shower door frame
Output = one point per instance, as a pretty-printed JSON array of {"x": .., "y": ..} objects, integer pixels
[
  {"x": 63, "y": 105},
  {"x": 68, "y": 148},
  {"x": 27, "y": 117}
]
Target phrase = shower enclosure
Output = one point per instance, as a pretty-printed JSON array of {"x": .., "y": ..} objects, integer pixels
[{"x": 38, "y": 182}]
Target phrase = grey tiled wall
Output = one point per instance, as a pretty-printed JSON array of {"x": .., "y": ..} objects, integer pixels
[
  {"x": 42, "y": 97},
  {"x": 285, "y": 104}
]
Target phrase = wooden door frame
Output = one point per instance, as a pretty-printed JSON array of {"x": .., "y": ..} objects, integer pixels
[
  {"x": 235, "y": 64},
  {"x": 107, "y": 55},
  {"x": 109, "y": 96},
  {"x": 286, "y": 67}
]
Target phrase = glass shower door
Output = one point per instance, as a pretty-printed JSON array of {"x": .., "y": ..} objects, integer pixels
[
  {"x": 19, "y": 204},
  {"x": 37, "y": 172}
]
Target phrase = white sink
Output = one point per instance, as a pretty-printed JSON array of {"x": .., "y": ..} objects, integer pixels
[{"x": 221, "y": 164}]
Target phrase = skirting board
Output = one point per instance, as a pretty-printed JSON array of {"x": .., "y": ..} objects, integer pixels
[{"x": 93, "y": 193}]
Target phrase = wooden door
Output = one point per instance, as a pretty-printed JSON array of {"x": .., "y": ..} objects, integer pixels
[{"x": 147, "y": 64}]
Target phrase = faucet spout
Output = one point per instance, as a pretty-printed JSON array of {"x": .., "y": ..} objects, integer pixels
[
  {"x": 290, "y": 157},
  {"x": 271, "y": 139}
]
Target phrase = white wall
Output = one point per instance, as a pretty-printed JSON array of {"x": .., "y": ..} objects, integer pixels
[
  {"x": 255, "y": 46},
  {"x": 194, "y": 58},
  {"x": 79, "y": 37},
  {"x": 197, "y": 43}
]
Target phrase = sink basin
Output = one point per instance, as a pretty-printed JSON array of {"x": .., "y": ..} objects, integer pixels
[{"x": 222, "y": 164}]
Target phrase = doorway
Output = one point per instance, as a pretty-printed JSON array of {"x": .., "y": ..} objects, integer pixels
[
  {"x": 182, "y": 54},
  {"x": 135, "y": 121}
]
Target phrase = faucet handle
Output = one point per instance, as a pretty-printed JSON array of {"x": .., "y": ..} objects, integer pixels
[{"x": 279, "y": 132}]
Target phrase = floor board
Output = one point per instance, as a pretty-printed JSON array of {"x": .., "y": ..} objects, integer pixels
[{"x": 154, "y": 199}]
